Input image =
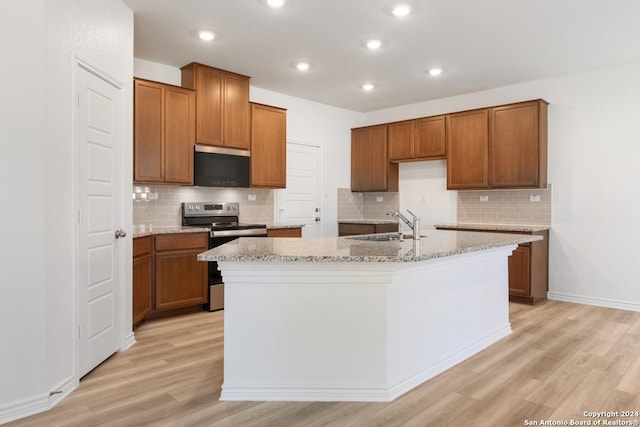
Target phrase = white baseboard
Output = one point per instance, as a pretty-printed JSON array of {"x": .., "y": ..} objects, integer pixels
[
  {"x": 129, "y": 341},
  {"x": 601, "y": 302},
  {"x": 40, "y": 403}
]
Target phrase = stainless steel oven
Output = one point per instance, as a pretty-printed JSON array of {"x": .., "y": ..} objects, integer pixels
[{"x": 222, "y": 218}]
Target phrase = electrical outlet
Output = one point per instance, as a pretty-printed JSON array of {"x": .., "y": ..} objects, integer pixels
[
  {"x": 484, "y": 198},
  {"x": 252, "y": 197},
  {"x": 535, "y": 198},
  {"x": 423, "y": 199},
  {"x": 152, "y": 196},
  {"x": 379, "y": 199}
]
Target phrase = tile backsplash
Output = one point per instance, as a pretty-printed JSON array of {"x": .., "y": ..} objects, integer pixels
[
  {"x": 165, "y": 210},
  {"x": 365, "y": 205},
  {"x": 505, "y": 207}
]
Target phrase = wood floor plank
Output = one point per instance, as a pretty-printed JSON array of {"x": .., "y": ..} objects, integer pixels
[{"x": 560, "y": 360}]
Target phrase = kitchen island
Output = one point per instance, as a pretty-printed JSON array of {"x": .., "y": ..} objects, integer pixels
[{"x": 358, "y": 318}]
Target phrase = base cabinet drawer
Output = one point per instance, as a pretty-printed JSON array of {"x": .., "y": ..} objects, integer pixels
[
  {"x": 284, "y": 232},
  {"x": 351, "y": 229}
]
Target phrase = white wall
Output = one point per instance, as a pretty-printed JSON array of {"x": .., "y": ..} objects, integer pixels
[
  {"x": 38, "y": 294},
  {"x": 307, "y": 121},
  {"x": 157, "y": 72},
  {"x": 594, "y": 147},
  {"x": 423, "y": 190},
  {"x": 23, "y": 358}
]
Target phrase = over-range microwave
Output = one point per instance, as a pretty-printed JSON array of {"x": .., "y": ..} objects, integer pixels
[{"x": 220, "y": 167}]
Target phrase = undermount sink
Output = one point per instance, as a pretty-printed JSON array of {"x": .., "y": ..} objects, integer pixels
[{"x": 383, "y": 237}]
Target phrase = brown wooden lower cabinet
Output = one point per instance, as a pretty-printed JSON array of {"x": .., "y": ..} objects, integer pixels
[
  {"x": 352, "y": 228},
  {"x": 528, "y": 267},
  {"x": 142, "y": 278},
  {"x": 167, "y": 277},
  {"x": 284, "y": 232},
  {"x": 180, "y": 279}
]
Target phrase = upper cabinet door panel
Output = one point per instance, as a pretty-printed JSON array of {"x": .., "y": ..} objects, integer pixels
[
  {"x": 179, "y": 135},
  {"x": 467, "y": 149},
  {"x": 208, "y": 86},
  {"x": 236, "y": 111},
  {"x": 370, "y": 167},
  {"x": 268, "y": 146},
  {"x": 518, "y": 145},
  {"x": 148, "y": 131},
  {"x": 401, "y": 140},
  {"x": 430, "y": 137}
]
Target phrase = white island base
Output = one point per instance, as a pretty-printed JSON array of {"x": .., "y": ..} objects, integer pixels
[{"x": 357, "y": 331}]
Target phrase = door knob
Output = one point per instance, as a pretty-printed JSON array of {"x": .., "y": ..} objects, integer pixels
[
  {"x": 120, "y": 233},
  {"x": 317, "y": 219}
]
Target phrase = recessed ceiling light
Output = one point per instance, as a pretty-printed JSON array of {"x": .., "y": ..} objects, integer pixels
[
  {"x": 206, "y": 35},
  {"x": 374, "y": 44},
  {"x": 302, "y": 66},
  {"x": 435, "y": 71},
  {"x": 367, "y": 86},
  {"x": 275, "y": 3},
  {"x": 401, "y": 10}
]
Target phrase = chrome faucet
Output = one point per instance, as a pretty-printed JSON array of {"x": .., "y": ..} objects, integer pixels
[{"x": 413, "y": 225}]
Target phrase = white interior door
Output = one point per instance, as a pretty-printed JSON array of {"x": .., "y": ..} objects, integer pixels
[
  {"x": 300, "y": 202},
  {"x": 99, "y": 198}
]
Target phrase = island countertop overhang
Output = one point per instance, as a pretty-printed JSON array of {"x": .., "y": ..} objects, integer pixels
[{"x": 438, "y": 244}]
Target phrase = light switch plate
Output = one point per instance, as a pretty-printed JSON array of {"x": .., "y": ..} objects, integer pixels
[
  {"x": 535, "y": 198},
  {"x": 484, "y": 198},
  {"x": 379, "y": 199}
]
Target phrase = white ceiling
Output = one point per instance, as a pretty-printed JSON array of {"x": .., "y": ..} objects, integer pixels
[{"x": 480, "y": 44}]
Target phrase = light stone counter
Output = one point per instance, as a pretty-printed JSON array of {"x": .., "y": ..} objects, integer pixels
[
  {"x": 515, "y": 228},
  {"x": 272, "y": 226},
  {"x": 438, "y": 244},
  {"x": 151, "y": 231},
  {"x": 368, "y": 221},
  {"x": 344, "y": 319}
]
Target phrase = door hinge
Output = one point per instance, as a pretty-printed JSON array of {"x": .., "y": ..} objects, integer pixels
[
  {"x": 79, "y": 218},
  {"x": 78, "y": 99},
  {"x": 79, "y": 332}
]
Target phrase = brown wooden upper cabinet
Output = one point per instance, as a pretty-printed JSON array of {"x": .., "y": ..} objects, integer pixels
[
  {"x": 222, "y": 105},
  {"x": 370, "y": 166},
  {"x": 467, "y": 149},
  {"x": 268, "y": 146},
  {"x": 164, "y": 133},
  {"x": 419, "y": 139},
  {"x": 498, "y": 147},
  {"x": 518, "y": 145}
]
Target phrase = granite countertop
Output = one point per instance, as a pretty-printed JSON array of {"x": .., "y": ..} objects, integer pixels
[
  {"x": 150, "y": 231},
  {"x": 439, "y": 243},
  {"x": 367, "y": 221},
  {"x": 274, "y": 226},
  {"x": 142, "y": 231},
  {"x": 516, "y": 228}
]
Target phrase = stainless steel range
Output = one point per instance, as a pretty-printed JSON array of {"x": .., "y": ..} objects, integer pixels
[{"x": 222, "y": 218}]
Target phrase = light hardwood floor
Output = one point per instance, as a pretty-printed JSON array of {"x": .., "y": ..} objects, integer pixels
[{"x": 561, "y": 360}]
